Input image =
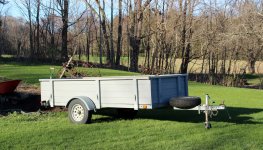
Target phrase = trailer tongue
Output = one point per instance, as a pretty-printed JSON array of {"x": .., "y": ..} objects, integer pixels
[{"x": 207, "y": 109}]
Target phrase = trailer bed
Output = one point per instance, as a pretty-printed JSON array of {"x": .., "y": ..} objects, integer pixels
[{"x": 138, "y": 92}]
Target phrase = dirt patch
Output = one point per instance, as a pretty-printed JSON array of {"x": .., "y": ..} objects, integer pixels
[
  {"x": 25, "y": 99},
  {"x": 29, "y": 89},
  {"x": 54, "y": 109}
]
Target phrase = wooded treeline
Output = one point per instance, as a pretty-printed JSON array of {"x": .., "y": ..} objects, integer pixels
[{"x": 153, "y": 35}]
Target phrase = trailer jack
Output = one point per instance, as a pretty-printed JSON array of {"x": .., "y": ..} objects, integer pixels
[{"x": 208, "y": 110}]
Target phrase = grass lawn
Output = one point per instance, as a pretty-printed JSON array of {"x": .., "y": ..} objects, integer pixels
[
  {"x": 152, "y": 129},
  {"x": 32, "y": 73}
]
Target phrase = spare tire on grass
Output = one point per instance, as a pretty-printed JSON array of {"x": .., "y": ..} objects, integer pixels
[{"x": 186, "y": 102}]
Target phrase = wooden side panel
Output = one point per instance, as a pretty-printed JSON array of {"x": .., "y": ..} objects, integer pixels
[{"x": 65, "y": 90}]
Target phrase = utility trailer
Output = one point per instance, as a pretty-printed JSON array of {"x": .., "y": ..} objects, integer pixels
[{"x": 127, "y": 93}]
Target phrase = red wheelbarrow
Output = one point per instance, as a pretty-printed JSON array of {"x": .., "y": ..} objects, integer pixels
[
  {"x": 8, "y": 87},
  {"x": 12, "y": 100}
]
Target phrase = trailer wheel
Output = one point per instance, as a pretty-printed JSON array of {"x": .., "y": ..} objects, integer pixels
[
  {"x": 187, "y": 102},
  {"x": 126, "y": 113},
  {"x": 78, "y": 112}
]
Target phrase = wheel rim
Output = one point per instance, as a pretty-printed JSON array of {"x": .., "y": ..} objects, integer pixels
[{"x": 77, "y": 112}]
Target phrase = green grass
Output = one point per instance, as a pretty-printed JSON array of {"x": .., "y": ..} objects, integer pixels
[
  {"x": 152, "y": 129},
  {"x": 30, "y": 74}
]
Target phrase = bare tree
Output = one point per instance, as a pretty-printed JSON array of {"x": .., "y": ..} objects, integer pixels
[
  {"x": 119, "y": 41},
  {"x": 135, "y": 32},
  {"x": 37, "y": 28},
  {"x": 26, "y": 5},
  {"x": 212, "y": 40},
  {"x": 64, "y": 8},
  {"x": 104, "y": 29},
  {"x": 186, "y": 10},
  {"x": 251, "y": 21},
  {"x": 3, "y": 1}
]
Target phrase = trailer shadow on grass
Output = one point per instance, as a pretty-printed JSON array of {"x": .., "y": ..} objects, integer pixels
[
  {"x": 238, "y": 115},
  {"x": 19, "y": 102}
]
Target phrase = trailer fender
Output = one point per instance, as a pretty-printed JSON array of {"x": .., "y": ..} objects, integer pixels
[{"x": 86, "y": 100}]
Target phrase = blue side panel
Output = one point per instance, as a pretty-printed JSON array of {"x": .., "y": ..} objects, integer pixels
[
  {"x": 165, "y": 88},
  {"x": 168, "y": 89},
  {"x": 154, "y": 90}
]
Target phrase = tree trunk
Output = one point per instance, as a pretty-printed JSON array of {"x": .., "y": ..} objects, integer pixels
[
  {"x": 106, "y": 39},
  {"x": 186, "y": 59},
  {"x": 134, "y": 54},
  {"x": 87, "y": 39},
  {"x": 101, "y": 39},
  {"x": 251, "y": 66},
  {"x": 111, "y": 38},
  {"x": 37, "y": 30},
  {"x": 64, "y": 48},
  {"x": 119, "y": 41},
  {"x": 251, "y": 61},
  {"x": 223, "y": 63},
  {"x": 52, "y": 32},
  {"x": 135, "y": 33},
  {"x": 87, "y": 45},
  {"x": 183, "y": 36},
  {"x": 134, "y": 39},
  {"x": 31, "y": 42}
]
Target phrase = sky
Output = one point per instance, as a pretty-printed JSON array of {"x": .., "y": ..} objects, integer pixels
[{"x": 11, "y": 8}]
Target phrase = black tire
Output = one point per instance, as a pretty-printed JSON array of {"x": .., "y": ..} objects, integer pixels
[
  {"x": 78, "y": 112},
  {"x": 208, "y": 125},
  {"x": 127, "y": 113},
  {"x": 187, "y": 102}
]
